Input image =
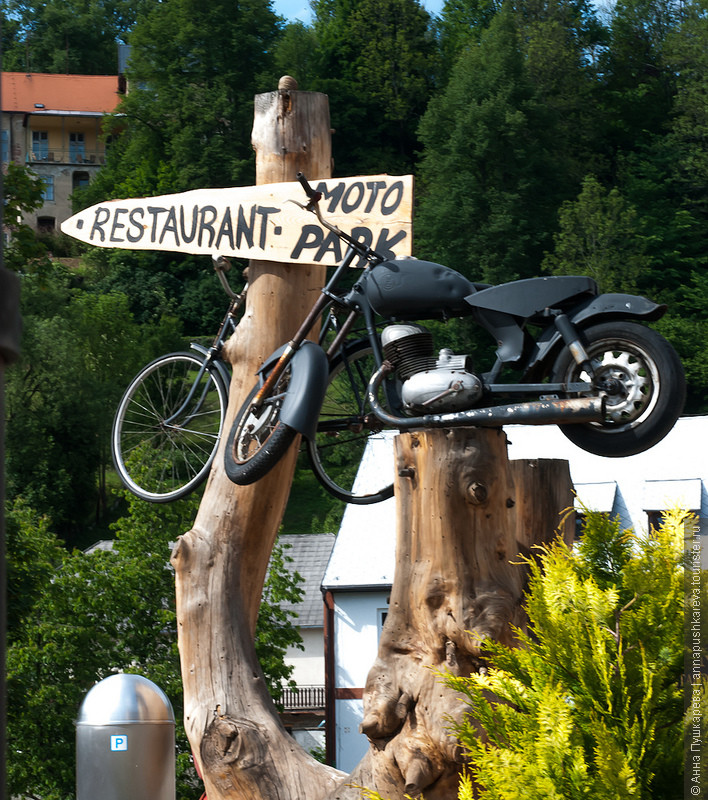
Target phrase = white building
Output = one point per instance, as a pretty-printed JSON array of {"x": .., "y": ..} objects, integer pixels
[{"x": 360, "y": 571}]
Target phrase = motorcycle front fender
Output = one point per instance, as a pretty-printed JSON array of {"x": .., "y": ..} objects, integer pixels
[
  {"x": 308, "y": 383},
  {"x": 603, "y": 308}
]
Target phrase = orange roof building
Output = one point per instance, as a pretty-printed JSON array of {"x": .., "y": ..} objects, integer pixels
[
  {"x": 39, "y": 93},
  {"x": 53, "y": 124}
]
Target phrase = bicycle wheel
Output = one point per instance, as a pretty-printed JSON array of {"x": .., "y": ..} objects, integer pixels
[
  {"x": 167, "y": 427},
  {"x": 258, "y": 439},
  {"x": 345, "y": 429}
]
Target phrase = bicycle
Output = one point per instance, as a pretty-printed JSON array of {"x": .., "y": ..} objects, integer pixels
[{"x": 169, "y": 421}]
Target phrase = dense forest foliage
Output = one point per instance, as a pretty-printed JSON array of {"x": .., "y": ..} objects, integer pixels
[{"x": 546, "y": 136}]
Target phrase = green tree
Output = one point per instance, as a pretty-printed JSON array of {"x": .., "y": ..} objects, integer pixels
[
  {"x": 599, "y": 236},
  {"x": 687, "y": 52},
  {"x": 461, "y": 23},
  {"x": 375, "y": 60},
  {"x": 295, "y": 54},
  {"x": 639, "y": 83},
  {"x": 487, "y": 171},
  {"x": 186, "y": 121},
  {"x": 22, "y": 191},
  {"x": 91, "y": 615},
  {"x": 79, "y": 351},
  {"x": 589, "y": 703},
  {"x": 274, "y": 629},
  {"x": 66, "y": 36},
  {"x": 509, "y": 138}
]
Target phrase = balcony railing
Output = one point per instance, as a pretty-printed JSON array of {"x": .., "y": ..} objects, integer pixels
[
  {"x": 67, "y": 157},
  {"x": 304, "y": 698}
]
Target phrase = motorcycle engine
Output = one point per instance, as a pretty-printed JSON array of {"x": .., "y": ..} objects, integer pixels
[{"x": 429, "y": 384}]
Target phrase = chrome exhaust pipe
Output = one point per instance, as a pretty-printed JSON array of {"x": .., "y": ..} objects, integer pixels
[{"x": 536, "y": 412}]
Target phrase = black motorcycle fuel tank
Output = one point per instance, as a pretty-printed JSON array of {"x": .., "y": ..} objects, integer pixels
[{"x": 413, "y": 289}]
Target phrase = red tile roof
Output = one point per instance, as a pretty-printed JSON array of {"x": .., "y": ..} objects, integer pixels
[{"x": 91, "y": 94}]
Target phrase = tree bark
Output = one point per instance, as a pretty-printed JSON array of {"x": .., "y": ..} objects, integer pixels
[
  {"x": 237, "y": 739},
  {"x": 464, "y": 515}
]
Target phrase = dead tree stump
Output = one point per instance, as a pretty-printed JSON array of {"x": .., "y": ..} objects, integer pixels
[{"x": 464, "y": 515}]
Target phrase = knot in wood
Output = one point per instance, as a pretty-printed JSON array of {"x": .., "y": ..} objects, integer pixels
[
  {"x": 287, "y": 84},
  {"x": 477, "y": 493},
  {"x": 406, "y": 472}
]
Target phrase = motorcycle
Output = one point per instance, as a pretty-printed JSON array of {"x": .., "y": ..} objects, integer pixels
[{"x": 586, "y": 363}]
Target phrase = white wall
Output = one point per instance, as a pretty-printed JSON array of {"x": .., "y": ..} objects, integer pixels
[
  {"x": 356, "y": 641},
  {"x": 308, "y": 664},
  {"x": 351, "y": 745},
  {"x": 673, "y": 471}
]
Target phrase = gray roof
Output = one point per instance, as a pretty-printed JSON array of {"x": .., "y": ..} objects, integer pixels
[{"x": 310, "y": 554}]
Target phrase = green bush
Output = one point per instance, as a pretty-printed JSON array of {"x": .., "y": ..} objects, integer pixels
[{"x": 590, "y": 704}]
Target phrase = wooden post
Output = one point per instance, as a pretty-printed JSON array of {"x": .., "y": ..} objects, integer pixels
[
  {"x": 464, "y": 514},
  {"x": 235, "y": 732}
]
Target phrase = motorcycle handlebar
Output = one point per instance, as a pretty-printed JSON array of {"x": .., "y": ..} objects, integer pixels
[{"x": 364, "y": 250}]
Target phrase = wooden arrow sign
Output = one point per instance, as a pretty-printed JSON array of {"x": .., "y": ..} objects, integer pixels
[{"x": 257, "y": 221}]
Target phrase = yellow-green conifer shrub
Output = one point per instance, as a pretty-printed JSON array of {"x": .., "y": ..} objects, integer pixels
[{"x": 590, "y": 704}]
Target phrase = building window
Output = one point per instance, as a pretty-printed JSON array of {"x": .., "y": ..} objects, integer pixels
[
  {"x": 5, "y": 146},
  {"x": 381, "y": 614},
  {"x": 79, "y": 179},
  {"x": 655, "y": 518},
  {"x": 40, "y": 145},
  {"x": 77, "y": 147},
  {"x": 46, "y": 224},
  {"x": 48, "y": 192}
]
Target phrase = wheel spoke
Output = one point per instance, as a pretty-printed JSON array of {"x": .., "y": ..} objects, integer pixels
[
  {"x": 160, "y": 461},
  {"x": 345, "y": 429}
]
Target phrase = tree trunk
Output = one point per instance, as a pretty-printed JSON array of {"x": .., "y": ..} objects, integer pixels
[
  {"x": 465, "y": 513},
  {"x": 234, "y": 730}
]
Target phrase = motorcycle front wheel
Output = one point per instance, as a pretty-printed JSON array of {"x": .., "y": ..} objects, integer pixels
[
  {"x": 345, "y": 427},
  {"x": 258, "y": 439},
  {"x": 642, "y": 379}
]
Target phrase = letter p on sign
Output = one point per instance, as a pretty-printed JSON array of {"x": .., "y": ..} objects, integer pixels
[{"x": 119, "y": 742}]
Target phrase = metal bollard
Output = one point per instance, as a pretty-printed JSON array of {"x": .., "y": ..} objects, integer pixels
[{"x": 125, "y": 742}]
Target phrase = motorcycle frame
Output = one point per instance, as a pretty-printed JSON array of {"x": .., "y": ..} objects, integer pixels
[
  {"x": 561, "y": 330},
  {"x": 542, "y": 411}
]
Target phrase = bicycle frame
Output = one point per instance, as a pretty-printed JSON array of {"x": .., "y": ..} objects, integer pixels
[
  {"x": 227, "y": 327},
  {"x": 327, "y": 296}
]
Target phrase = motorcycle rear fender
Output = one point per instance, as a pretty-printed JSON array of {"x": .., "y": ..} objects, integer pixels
[
  {"x": 308, "y": 383},
  {"x": 603, "y": 308}
]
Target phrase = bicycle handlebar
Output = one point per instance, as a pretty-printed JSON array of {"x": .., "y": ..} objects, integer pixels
[{"x": 221, "y": 266}]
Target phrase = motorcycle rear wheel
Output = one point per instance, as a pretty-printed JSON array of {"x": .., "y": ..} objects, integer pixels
[
  {"x": 642, "y": 380},
  {"x": 258, "y": 439}
]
